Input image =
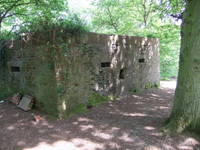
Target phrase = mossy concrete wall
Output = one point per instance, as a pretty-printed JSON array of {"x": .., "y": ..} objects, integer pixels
[
  {"x": 134, "y": 62},
  {"x": 63, "y": 74}
]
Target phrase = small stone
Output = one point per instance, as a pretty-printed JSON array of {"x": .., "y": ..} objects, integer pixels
[
  {"x": 2, "y": 101},
  {"x": 26, "y": 103},
  {"x": 38, "y": 118},
  {"x": 16, "y": 98}
]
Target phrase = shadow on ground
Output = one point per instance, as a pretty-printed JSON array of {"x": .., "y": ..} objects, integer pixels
[{"x": 131, "y": 123}]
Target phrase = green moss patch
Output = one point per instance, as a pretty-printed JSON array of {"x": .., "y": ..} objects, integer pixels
[
  {"x": 151, "y": 85},
  {"x": 80, "y": 109},
  {"x": 96, "y": 99},
  {"x": 135, "y": 91}
]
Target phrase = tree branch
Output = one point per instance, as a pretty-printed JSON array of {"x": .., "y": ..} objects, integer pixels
[{"x": 111, "y": 20}]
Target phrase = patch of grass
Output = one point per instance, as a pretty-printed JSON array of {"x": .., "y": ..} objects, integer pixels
[
  {"x": 156, "y": 85},
  {"x": 151, "y": 85},
  {"x": 135, "y": 91},
  {"x": 165, "y": 78},
  {"x": 96, "y": 99},
  {"x": 3, "y": 95},
  {"x": 6, "y": 92},
  {"x": 80, "y": 109}
]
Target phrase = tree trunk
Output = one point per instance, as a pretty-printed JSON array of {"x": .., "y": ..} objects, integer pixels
[{"x": 186, "y": 108}]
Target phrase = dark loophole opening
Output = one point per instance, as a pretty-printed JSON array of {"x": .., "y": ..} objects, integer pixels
[
  {"x": 141, "y": 60},
  {"x": 122, "y": 74},
  {"x": 105, "y": 64},
  {"x": 15, "y": 69}
]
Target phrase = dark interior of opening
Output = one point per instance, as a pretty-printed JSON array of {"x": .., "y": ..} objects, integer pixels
[
  {"x": 122, "y": 74},
  {"x": 141, "y": 60},
  {"x": 105, "y": 64},
  {"x": 15, "y": 69}
]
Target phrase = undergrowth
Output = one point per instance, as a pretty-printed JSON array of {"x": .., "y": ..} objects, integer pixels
[{"x": 96, "y": 99}]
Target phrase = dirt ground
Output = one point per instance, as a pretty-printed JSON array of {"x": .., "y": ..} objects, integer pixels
[{"x": 130, "y": 123}]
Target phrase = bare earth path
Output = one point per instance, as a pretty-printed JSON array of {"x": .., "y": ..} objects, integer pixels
[{"x": 131, "y": 123}]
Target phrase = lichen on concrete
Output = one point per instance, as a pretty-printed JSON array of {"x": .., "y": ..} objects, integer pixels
[{"x": 63, "y": 74}]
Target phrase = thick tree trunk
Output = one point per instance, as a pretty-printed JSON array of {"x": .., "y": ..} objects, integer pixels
[{"x": 186, "y": 109}]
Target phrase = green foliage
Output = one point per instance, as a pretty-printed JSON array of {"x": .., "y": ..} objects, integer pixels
[
  {"x": 156, "y": 85},
  {"x": 169, "y": 36},
  {"x": 96, "y": 99},
  {"x": 19, "y": 16},
  {"x": 149, "y": 18},
  {"x": 171, "y": 7},
  {"x": 80, "y": 109},
  {"x": 14, "y": 13},
  {"x": 151, "y": 85},
  {"x": 4, "y": 91},
  {"x": 108, "y": 16},
  {"x": 143, "y": 18},
  {"x": 43, "y": 27},
  {"x": 71, "y": 25},
  {"x": 148, "y": 85},
  {"x": 135, "y": 91}
]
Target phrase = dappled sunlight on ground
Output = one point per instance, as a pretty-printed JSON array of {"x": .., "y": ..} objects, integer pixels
[
  {"x": 168, "y": 84},
  {"x": 74, "y": 144},
  {"x": 131, "y": 123}
]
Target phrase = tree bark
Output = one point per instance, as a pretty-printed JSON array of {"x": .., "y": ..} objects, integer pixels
[{"x": 186, "y": 108}]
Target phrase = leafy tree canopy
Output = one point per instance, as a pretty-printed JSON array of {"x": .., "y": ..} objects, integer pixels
[
  {"x": 15, "y": 13},
  {"x": 152, "y": 18}
]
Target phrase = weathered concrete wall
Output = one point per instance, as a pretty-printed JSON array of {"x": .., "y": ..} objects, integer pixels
[
  {"x": 62, "y": 75},
  {"x": 31, "y": 70},
  {"x": 125, "y": 62}
]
